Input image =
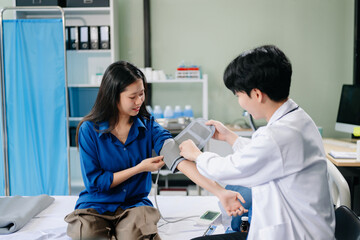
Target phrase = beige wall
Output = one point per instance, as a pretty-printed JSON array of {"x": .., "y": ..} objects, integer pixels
[{"x": 317, "y": 36}]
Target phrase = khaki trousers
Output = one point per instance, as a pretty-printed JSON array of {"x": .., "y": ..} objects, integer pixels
[{"x": 130, "y": 224}]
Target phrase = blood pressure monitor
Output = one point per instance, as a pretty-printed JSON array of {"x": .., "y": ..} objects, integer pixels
[{"x": 208, "y": 217}]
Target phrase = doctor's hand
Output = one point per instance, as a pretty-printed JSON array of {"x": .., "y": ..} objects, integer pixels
[
  {"x": 222, "y": 133},
  {"x": 230, "y": 201},
  {"x": 189, "y": 150},
  {"x": 151, "y": 164}
]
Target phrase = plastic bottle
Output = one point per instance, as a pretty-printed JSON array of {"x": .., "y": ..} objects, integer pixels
[
  {"x": 188, "y": 112},
  {"x": 168, "y": 112},
  {"x": 178, "y": 112},
  {"x": 149, "y": 109},
  {"x": 245, "y": 225},
  {"x": 158, "y": 113}
]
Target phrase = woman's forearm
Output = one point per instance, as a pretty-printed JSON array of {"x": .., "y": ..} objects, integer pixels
[
  {"x": 122, "y": 176},
  {"x": 229, "y": 199},
  {"x": 189, "y": 169}
]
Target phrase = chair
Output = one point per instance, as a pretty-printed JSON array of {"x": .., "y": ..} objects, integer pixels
[
  {"x": 339, "y": 188},
  {"x": 347, "y": 224}
]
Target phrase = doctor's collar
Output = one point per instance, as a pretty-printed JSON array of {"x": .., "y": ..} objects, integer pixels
[{"x": 288, "y": 107}]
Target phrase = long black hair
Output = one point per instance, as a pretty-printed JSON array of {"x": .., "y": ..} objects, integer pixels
[{"x": 116, "y": 78}]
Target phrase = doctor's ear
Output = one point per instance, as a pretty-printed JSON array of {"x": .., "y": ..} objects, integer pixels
[{"x": 257, "y": 94}]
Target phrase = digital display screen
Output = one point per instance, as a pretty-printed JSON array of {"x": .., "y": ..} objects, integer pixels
[
  {"x": 349, "y": 108},
  {"x": 209, "y": 215}
]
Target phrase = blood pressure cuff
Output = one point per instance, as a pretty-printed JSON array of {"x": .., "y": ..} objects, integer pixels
[{"x": 197, "y": 131}]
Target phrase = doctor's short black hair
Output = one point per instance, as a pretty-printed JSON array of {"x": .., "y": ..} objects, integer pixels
[{"x": 265, "y": 68}]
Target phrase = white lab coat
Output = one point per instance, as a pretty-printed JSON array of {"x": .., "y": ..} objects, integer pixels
[{"x": 285, "y": 166}]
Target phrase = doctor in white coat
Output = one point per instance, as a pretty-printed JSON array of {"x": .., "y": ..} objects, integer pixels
[{"x": 283, "y": 163}]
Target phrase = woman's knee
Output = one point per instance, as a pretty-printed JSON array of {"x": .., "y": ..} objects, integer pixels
[
  {"x": 83, "y": 224},
  {"x": 138, "y": 223}
]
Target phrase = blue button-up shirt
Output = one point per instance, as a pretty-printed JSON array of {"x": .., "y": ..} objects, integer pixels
[{"x": 102, "y": 154}]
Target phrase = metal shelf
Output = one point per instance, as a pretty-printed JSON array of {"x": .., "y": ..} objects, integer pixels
[
  {"x": 178, "y": 80},
  {"x": 203, "y": 81},
  {"x": 83, "y": 85},
  {"x": 88, "y": 51},
  {"x": 81, "y": 10},
  {"x": 75, "y": 119}
]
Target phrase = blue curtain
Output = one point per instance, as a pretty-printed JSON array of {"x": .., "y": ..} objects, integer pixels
[
  {"x": 36, "y": 106},
  {"x": 2, "y": 174}
]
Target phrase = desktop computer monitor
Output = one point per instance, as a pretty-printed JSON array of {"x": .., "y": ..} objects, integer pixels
[{"x": 349, "y": 109}]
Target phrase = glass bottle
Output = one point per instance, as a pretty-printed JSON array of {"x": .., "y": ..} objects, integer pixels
[{"x": 245, "y": 225}]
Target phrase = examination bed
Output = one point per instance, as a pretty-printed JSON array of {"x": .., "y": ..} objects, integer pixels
[{"x": 50, "y": 224}]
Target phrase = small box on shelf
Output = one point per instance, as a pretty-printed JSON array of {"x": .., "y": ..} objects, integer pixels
[{"x": 188, "y": 72}]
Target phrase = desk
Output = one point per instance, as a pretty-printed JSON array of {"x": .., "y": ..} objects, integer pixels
[
  {"x": 349, "y": 168},
  {"x": 341, "y": 146}
]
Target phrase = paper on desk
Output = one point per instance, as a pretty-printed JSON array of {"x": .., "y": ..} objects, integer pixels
[{"x": 344, "y": 155}]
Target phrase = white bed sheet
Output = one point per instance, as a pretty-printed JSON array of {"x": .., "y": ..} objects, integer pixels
[{"x": 50, "y": 224}]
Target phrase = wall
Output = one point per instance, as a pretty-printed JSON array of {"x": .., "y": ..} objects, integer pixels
[
  {"x": 5, "y": 3},
  {"x": 317, "y": 36}
]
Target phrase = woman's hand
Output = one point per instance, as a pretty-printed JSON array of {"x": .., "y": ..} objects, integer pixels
[
  {"x": 151, "y": 164},
  {"x": 189, "y": 150},
  {"x": 146, "y": 165},
  {"x": 230, "y": 201}
]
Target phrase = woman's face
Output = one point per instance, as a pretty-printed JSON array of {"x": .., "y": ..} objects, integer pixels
[{"x": 132, "y": 98}]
